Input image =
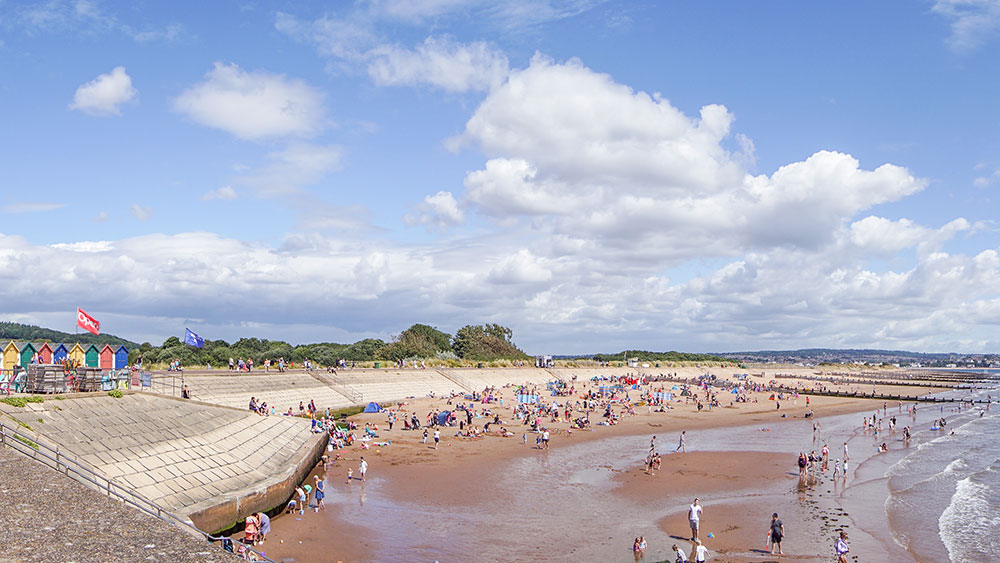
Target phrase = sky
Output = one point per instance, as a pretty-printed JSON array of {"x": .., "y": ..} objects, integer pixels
[{"x": 597, "y": 176}]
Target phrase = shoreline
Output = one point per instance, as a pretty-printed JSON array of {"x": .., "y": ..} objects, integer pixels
[{"x": 412, "y": 474}]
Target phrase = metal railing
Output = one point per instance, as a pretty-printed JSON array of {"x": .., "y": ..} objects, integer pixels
[
  {"x": 169, "y": 384},
  {"x": 458, "y": 380},
  {"x": 340, "y": 386},
  {"x": 83, "y": 473}
]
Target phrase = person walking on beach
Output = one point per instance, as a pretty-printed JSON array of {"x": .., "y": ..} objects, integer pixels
[
  {"x": 842, "y": 547},
  {"x": 437, "y": 438},
  {"x": 776, "y": 533},
  {"x": 694, "y": 518},
  {"x": 679, "y": 555},
  {"x": 425, "y": 436},
  {"x": 682, "y": 445},
  {"x": 363, "y": 468}
]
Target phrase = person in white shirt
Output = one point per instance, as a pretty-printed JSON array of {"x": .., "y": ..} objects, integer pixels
[
  {"x": 363, "y": 469},
  {"x": 437, "y": 438},
  {"x": 694, "y": 518},
  {"x": 700, "y": 552},
  {"x": 681, "y": 557}
]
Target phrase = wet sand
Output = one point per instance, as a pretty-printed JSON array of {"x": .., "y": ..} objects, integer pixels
[{"x": 410, "y": 483}]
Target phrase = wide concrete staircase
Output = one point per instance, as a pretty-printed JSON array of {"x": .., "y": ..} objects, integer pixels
[{"x": 185, "y": 456}]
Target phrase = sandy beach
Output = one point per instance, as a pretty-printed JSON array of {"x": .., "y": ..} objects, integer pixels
[{"x": 740, "y": 486}]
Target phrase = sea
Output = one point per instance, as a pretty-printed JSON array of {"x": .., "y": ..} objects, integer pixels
[{"x": 944, "y": 490}]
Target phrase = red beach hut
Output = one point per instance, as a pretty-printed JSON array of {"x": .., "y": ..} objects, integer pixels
[
  {"x": 45, "y": 353},
  {"x": 107, "y": 357}
]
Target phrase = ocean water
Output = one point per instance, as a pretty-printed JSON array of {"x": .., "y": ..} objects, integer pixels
[{"x": 944, "y": 493}]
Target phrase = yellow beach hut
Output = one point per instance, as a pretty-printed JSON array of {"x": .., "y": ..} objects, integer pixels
[
  {"x": 77, "y": 355},
  {"x": 11, "y": 356}
]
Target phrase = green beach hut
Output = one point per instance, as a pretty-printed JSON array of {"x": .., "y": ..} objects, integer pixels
[
  {"x": 28, "y": 351},
  {"x": 93, "y": 356}
]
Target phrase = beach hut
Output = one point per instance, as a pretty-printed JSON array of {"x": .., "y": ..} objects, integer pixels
[
  {"x": 28, "y": 352},
  {"x": 77, "y": 355},
  {"x": 107, "y": 357},
  {"x": 11, "y": 356},
  {"x": 44, "y": 353},
  {"x": 93, "y": 356},
  {"x": 59, "y": 353},
  {"x": 121, "y": 357}
]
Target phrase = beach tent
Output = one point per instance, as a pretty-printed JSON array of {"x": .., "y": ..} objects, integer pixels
[
  {"x": 44, "y": 353},
  {"x": 59, "y": 353},
  {"x": 11, "y": 356},
  {"x": 121, "y": 357},
  {"x": 107, "y": 360},
  {"x": 443, "y": 417},
  {"x": 373, "y": 407},
  {"x": 28, "y": 352},
  {"x": 93, "y": 356}
]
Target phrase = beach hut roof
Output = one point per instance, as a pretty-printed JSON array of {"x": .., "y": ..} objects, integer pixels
[
  {"x": 76, "y": 346},
  {"x": 122, "y": 347},
  {"x": 22, "y": 345},
  {"x": 94, "y": 346},
  {"x": 59, "y": 345},
  {"x": 12, "y": 343},
  {"x": 107, "y": 347},
  {"x": 41, "y": 345}
]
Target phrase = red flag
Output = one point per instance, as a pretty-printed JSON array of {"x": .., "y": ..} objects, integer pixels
[{"x": 86, "y": 322}]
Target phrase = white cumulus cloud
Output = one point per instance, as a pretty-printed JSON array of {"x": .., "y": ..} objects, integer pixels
[
  {"x": 253, "y": 105},
  {"x": 440, "y": 210},
  {"x": 105, "y": 94},
  {"x": 598, "y": 169}
]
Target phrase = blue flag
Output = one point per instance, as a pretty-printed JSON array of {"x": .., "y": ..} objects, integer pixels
[{"x": 193, "y": 339}]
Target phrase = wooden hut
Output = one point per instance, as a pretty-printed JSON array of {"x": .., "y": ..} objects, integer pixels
[
  {"x": 59, "y": 353},
  {"x": 44, "y": 353},
  {"x": 77, "y": 354},
  {"x": 121, "y": 357},
  {"x": 28, "y": 352},
  {"x": 93, "y": 356},
  {"x": 11, "y": 356},
  {"x": 107, "y": 357}
]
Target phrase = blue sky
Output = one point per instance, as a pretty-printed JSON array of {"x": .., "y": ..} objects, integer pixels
[{"x": 702, "y": 176}]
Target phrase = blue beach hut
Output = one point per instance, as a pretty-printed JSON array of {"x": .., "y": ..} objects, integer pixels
[
  {"x": 121, "y": 357},
  {"x": 59, "y": 353}
]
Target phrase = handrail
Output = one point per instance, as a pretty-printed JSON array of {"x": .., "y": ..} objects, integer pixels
[
  {"x": 87, "y": 474},
  {"x": 458, "y": 380}
]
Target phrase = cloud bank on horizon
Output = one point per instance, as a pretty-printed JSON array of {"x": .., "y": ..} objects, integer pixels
[{"x": 595, "y": 175}]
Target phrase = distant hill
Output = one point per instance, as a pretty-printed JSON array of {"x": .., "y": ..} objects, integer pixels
[{"x": 32, "y": 333}]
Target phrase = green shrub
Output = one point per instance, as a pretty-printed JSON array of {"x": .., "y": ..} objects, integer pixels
[
  {"x": 21, "y": 401},
  {"x": 116, "y": 393},
  {"x": 26, "y": 441}
]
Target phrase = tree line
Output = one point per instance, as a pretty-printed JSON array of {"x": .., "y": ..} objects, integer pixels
[{"x": 475, "y": 343}]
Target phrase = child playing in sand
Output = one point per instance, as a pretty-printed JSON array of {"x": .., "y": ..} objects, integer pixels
[{"x": 350, "y": 474}]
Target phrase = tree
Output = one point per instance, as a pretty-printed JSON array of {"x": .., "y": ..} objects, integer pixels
[
  {"x": 418, "y": 341},
  {"x": 486, "y": 343}
]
